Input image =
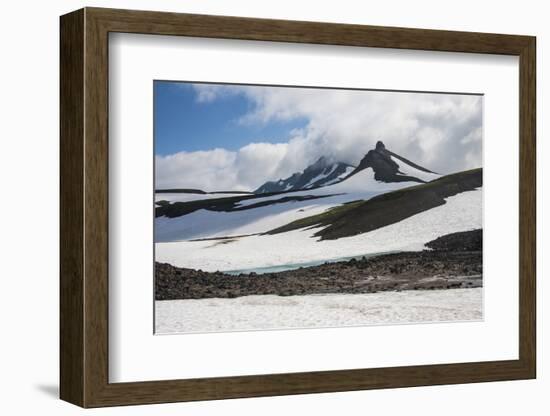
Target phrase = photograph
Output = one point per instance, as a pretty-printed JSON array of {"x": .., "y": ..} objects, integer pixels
[
  {"x": 271, "y": 204},
  {"x": 292, "y": 207}
]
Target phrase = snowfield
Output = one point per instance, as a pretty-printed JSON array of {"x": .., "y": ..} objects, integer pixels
[
  {"x": 409, "y": 170},
  {"x": 209, "y": 224},
  {"x": 461, "y": 212},
  {"x": 315, "y": 311}
]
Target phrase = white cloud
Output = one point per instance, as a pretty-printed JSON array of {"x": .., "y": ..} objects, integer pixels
[
  {"x": 196, "y": 170},
  {"x": 259, "y": 160},
  {"x": 439, "y": 131},
  {"x": 220, "y": 169}
]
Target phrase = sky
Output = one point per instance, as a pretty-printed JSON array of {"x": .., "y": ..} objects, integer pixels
[{"x": 235, "y": 137}]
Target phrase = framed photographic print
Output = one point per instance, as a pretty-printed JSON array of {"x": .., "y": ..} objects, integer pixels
[{"x": 255, "y": 207}]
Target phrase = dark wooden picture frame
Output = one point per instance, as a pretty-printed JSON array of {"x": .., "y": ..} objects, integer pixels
[{"x": 84, "y": 207}]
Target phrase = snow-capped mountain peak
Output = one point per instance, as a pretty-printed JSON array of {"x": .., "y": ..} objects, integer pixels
[{"x": 323, "y": 171}]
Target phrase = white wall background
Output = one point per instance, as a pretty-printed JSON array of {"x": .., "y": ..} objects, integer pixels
[{"x": 29, "y": 212}]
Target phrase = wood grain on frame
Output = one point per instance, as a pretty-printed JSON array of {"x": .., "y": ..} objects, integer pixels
[
  {"x": 71, "y": 208},
  {"x": 84, "y": 207}
]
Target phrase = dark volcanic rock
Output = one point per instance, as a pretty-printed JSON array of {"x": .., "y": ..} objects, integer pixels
[
  {"x": 462, "y": 241},
  {"x": 180, "y": 191},
  {"x": 324, "y": 171},
  {"x": 225, "y": 204},
  {"x": 437, "y": 269},
  {"x": 385, "y": 209},
  {"x": 385, "y": 168}
]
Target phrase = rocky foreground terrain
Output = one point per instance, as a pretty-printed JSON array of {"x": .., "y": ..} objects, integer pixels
[{"x": 454, "y": 261}]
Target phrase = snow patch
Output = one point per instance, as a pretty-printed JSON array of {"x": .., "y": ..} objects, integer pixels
[
  {"x": 407, "y": 170},
  {"x": 348, "y": 170},
  {"x": 314, "y": 311},
  {"x": 461, "y": 212},
  {"x": 320, "y": 176},
  {"x": 209, "y": 224}
]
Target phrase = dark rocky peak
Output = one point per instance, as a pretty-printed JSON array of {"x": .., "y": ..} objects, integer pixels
[
  {"x": 319, "y": 164},
  {"x": 379, "y": 146},
  {"x": 386, "y": 168},
  {"x": 324, "y": 171}
]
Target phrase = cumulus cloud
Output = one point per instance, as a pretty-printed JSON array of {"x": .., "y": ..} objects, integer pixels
[
  {"x": 220, "y": 169},
  {"x": 196, "y": 169},
  {"x": 442, "y": 132}
]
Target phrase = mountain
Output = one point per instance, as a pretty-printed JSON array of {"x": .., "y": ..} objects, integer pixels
[
  {"x": 354, "y": 217},
  {"x": 322, "y": 172},
  {"x": 388, "y": 208},
  {"x": 390, "y": 167},
  {"x": 384, "y": 189},
  {"x": 387, "y": 167},
  {"x": 320, "y": 187}
]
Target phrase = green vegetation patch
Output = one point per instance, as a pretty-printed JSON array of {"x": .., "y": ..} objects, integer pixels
[{"x": 363, "y": 216}]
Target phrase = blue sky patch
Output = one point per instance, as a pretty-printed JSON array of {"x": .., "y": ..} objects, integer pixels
[{"x": 182, "y": 123}]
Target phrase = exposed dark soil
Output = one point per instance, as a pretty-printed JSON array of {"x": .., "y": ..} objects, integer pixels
[
  {"x": 197, "y": 191},
  {"x": 180, "y": 191},
  {"x": 225, "y": 204},
  {"x": 463, "y": 241},
  {"x": 457, "y": 265}
]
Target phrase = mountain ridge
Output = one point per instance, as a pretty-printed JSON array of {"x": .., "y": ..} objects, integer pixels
[
  {"x": 386, "y": 208},
  {"x": 387, "y": 166},
  {"x": 386, "y": 169},
  {"x": 324, "y": 171}
]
